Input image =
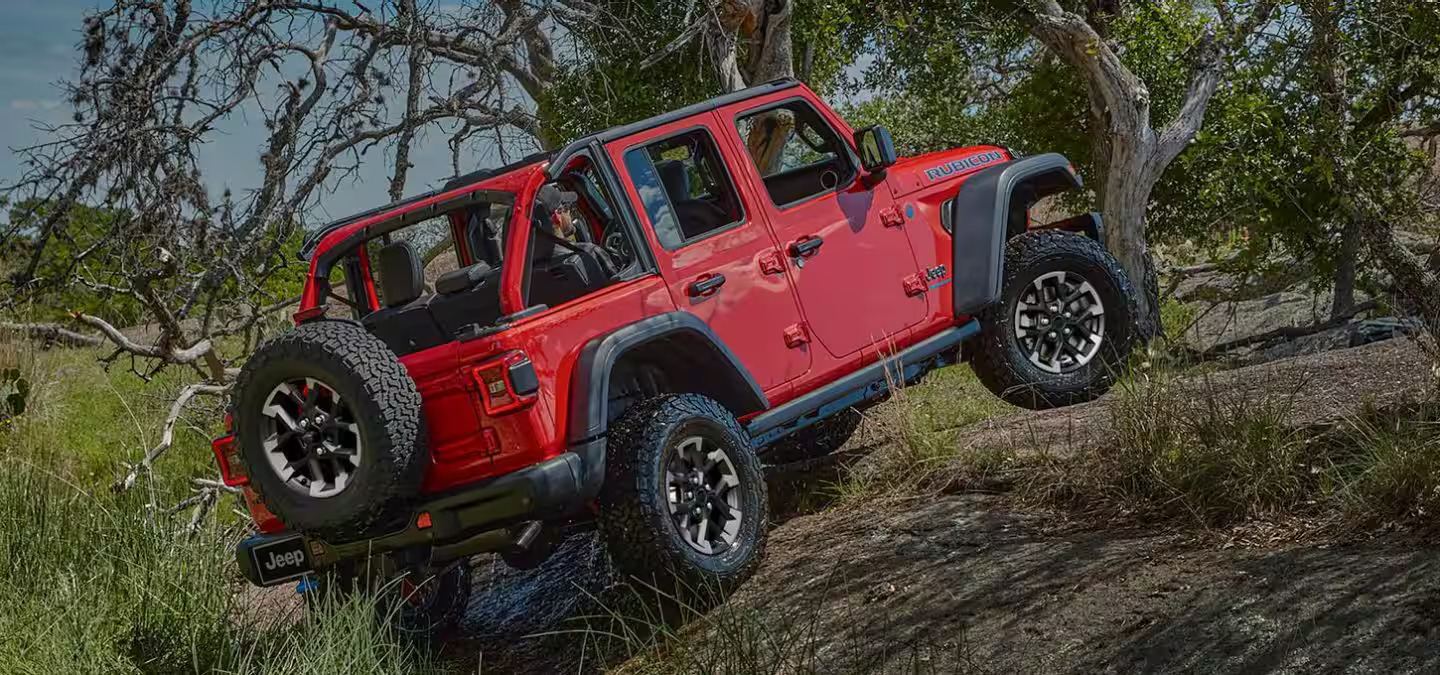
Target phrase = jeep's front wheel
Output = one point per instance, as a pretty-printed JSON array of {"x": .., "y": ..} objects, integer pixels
[
  {"x": 1063, "y": 327},
  {"x": 684, "y": 501}
]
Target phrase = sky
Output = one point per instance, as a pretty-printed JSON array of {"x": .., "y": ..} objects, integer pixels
[{"x": 39, "y": 47}]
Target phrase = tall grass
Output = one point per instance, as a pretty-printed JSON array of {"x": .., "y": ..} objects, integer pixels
[
  {"x": 1190, "y": 450},
  {"x": 97, "y": 582}
]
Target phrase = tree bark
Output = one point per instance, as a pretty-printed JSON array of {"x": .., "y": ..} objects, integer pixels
[
  {"x": 1130, "y": 154},
  {"x": 1345, "y": 269}
]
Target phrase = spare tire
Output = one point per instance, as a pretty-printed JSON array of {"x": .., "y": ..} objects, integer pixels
[{"x": 330, "y": 428}]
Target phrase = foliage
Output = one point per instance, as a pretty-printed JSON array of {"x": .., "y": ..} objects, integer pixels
[{"x": 610, "y": 87}]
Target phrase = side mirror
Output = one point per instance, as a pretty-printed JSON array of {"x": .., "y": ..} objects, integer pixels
[{"x": 877, "y": 150}]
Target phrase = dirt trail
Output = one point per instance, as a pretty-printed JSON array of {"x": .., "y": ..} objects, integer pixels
[
  {"x": 1319, "y": 389},
  {"x": 957, "y": 585},
  {"x": 965, "y": 584}
]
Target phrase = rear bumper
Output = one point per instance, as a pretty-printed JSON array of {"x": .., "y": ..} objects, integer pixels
[{"x": 474, "y": 520}]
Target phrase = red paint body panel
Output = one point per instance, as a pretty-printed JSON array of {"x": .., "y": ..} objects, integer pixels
[
  {"x": 751, "y": 311},
  {"x": 454, "y": 408},
  {"x": 851, "y": 290},
  {"x": 841, "y": 310}
]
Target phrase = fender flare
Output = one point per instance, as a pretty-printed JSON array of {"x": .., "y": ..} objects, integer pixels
[
  {"x": 979, "y": 223},
  {"x": 590, "y": 383}
]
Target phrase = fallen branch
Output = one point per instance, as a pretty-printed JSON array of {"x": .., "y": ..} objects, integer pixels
[
  {"x": 167, "y": 437},
  {"x": 50, "y": 333},
  {"x": 206, "y": 494},
  {"x": 189, "y": 354},
  {"x": 1288, "y": 332}
]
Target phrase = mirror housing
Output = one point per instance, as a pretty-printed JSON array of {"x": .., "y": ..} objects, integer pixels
[{"x": 877, "y": 150}]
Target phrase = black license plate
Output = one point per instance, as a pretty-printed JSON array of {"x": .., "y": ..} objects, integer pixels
[{"x": 281, "y": 560}]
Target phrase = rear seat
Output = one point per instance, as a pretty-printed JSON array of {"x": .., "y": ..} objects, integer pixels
[
  {"x": 469, "y": 295},
  {"x": 405, "y": 323},
  {"x": 412, "y": 321}
]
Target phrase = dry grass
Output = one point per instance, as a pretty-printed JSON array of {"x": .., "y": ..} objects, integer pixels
[{"x": 1182, "y": 448}]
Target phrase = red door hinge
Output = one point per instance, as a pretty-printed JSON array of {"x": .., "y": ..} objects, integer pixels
[
  {"x": 914, "y": 285},
  {"x": 772, "y": 263},
  {"x": 795, "y": 335},
  {"x": 890, "y": 217}
]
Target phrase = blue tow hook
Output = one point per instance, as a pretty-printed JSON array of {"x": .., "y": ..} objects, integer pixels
[{"x": 306, "y": 585}]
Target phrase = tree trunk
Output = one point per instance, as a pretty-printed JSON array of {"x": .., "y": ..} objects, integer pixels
[
  {"x": 1130, "y": 154},
  {"x": 763, "y": 26},
  {"x": 1123, "y": 200},
  {"x": 1345, "y": 264}
]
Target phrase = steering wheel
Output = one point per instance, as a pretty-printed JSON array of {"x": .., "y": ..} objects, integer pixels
[{"x": 613, "y": 240}]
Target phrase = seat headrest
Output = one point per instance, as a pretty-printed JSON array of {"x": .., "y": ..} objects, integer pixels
[
  {"x": 463, "y": 279},
  {"x": 675, "y": 178},
  {"x": 402, "y": 277}
]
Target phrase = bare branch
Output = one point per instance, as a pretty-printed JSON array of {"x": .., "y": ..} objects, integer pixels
[{"x": 167, "y": 435}]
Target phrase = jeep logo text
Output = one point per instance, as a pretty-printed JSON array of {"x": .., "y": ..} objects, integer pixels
[{"x": 284, "y": 560}]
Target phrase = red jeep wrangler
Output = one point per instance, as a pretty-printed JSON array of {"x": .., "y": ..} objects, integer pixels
[{"x": 619, "y": 332}]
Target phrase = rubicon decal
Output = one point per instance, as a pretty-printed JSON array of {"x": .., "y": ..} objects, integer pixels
[{"x": 956, "y": 166}]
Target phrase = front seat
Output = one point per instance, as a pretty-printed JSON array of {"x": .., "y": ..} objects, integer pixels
[
  {"x": 696, "y": 216},
  {"x": 557, "y": 275},
  {"x": 404, "y": 324}
]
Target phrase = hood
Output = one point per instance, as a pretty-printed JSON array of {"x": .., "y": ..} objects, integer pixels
[{"x": 912, "y": 174}]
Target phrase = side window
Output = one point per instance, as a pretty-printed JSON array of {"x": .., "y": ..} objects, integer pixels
[
  {"x": 684, "y": 186},
  {"x": 796, "y": 152}
]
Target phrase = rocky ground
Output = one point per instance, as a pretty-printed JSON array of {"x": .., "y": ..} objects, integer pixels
[{"x": 966, "y": 583}]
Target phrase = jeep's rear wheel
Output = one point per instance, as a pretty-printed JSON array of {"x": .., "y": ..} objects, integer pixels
[
  {"x": 684, "y": 501},
  {"x": 1063, "y": 327},
  {"x": 330, "y": 428}
]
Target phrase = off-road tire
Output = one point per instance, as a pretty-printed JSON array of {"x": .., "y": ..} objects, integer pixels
[
  {"x": 643, "y": 541},
  {"x": 997, "y": 357},
  {"x": 817, "y": 440},
  {"x": 386, "y": 407}
]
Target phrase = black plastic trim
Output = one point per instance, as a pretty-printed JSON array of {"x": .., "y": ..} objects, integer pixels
[
  {"x": 979, "y": 224},
  {"x": 523, "y": 378},
  {"x": 590, "y": 388},
  {"x": 550, "y": 489},
  {"x": 853, "y": 388}
]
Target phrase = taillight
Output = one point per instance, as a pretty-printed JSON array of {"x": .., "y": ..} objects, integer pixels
[
  {"x": 227, "y": 455},
  {"x": 507, "y": 383}
]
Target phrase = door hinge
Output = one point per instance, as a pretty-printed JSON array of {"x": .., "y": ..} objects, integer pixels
[
  {"x": 914, "y": 285},
  {"x": 890, "y": 217},
  {"x": 772, "y": 263},
  {"x": 795, "y": 335}
]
